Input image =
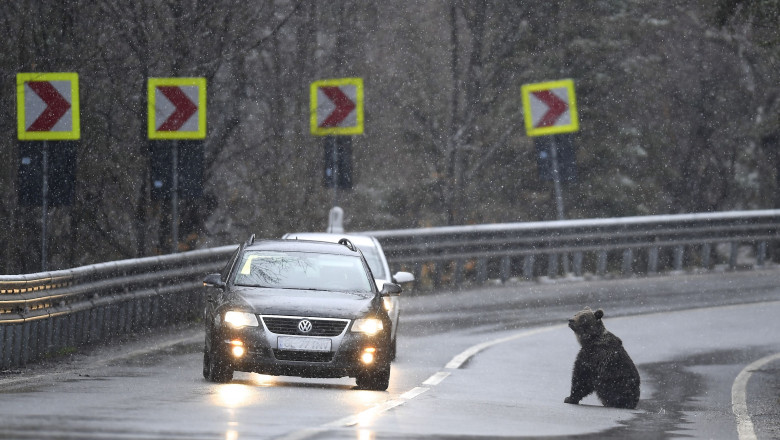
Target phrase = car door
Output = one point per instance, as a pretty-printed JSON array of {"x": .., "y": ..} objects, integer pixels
[{"x": 214, "y": 295}]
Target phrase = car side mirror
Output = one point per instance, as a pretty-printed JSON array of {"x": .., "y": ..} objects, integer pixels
[
  {"x": 403, "y": 277},
  {"x": 214, "y": 280},
  {"x": 390, "y": 289}
]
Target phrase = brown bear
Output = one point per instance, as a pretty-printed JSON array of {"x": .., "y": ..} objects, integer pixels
[{"x": 602, "y": 364}]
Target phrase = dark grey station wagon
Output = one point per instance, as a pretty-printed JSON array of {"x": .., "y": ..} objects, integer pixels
[{"x": 298, "y": 308}]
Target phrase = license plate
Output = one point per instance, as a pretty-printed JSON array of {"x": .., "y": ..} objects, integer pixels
[{"x": 303, "y": 344}]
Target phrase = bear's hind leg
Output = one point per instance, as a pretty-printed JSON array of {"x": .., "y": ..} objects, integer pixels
[
  {"x": 623, "y": 402},
  {"x": 620, "y": 398}
]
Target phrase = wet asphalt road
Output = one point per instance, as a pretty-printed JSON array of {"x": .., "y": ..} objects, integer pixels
[{"x": 690, "y": 336}]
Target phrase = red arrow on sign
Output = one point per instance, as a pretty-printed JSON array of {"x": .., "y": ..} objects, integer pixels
[
  {"x": 344, "y": 106},
  {"x": 185, "y": 108},
  {"x": 56, "y": 106},
  {"x": 556, "y": 107}
]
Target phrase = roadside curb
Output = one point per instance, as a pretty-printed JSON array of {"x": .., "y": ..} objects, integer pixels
[{"x": 93, "y": 357}]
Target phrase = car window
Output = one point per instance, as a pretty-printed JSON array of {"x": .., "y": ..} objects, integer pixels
[
  {"x": 302, "y": 270},
  {"x": 372, "y": 258}
]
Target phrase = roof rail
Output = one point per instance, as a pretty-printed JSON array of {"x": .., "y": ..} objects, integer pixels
[
  {"x": 348, "y": 244},
  {"x": 251, "y": 240}
]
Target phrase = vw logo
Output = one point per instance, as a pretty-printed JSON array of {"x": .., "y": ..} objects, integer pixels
[{"x": 304, "y": 326}]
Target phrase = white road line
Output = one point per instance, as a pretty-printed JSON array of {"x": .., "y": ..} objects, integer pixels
[
  {"x": 414, "y": 392},
  {"x": 434, "y": 380},
  {"x": 367, "y": 414},
  {"x": 355, "y": 419},
  {"x": 745, "y": 428},
  {"x": 467, "y": 354}
]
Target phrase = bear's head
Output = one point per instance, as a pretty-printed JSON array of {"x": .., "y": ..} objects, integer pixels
[{"x": 587, "y": 325}]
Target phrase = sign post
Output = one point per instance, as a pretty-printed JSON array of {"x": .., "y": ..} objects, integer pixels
[
  {"x": 550, "y": 108},
  {"x": 44, "y": 204},
  {"x": 177, "y": 110},
  {"x": 47, "y": 108},
  {"x": 336, "y": 112},
  {"x": 556, "y": 172}
]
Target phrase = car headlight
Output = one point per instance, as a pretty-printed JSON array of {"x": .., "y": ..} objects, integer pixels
[
  {"x": 240, "y": 319},
  {"x": 369, "y": 326}
]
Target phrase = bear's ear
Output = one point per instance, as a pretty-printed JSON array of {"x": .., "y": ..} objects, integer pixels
[{"x": 599, "y": 313}]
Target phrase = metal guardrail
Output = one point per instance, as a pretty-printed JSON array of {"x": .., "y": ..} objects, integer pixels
[
  {"x": 53, "y": 312},
  {"x": 47, "y": 313},
  {"x": 598, "y": 247}
]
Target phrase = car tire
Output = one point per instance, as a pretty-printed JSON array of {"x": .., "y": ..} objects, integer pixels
[
  {"x": 375, "y": 380},
  {"x": 206, "y": 364},
  {"x": 216, "y": 369}
]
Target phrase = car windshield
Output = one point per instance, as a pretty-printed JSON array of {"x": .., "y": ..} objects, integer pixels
[{"x": 302, "y": 270}]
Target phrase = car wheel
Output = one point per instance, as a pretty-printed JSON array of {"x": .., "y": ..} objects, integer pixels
[
  {"x": 206, "y": 364},
  {"x": 216, "y": 369},
  {"x": 375, "y": 380}
]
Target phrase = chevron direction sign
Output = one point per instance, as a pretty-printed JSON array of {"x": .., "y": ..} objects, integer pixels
[
  {"x": 177, "y": 108},
  {"x": 550, "y": 108},
  {"x": 336, "y": 107},
  {"x": 47, "y": 106}
]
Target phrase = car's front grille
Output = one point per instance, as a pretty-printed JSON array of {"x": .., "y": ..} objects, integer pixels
[
  {"x": 303, "y": 356},
  {"x": 288, "y": 325}
]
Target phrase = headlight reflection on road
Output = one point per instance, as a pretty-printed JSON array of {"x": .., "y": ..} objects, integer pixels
[
  {"x": 235, "y": 395},
  {"x": 366, "y": 417},
  {"x": 365, "y": 399},
  {"x": 365, "y": 434},
  {"x": 262, "y": 380}
]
